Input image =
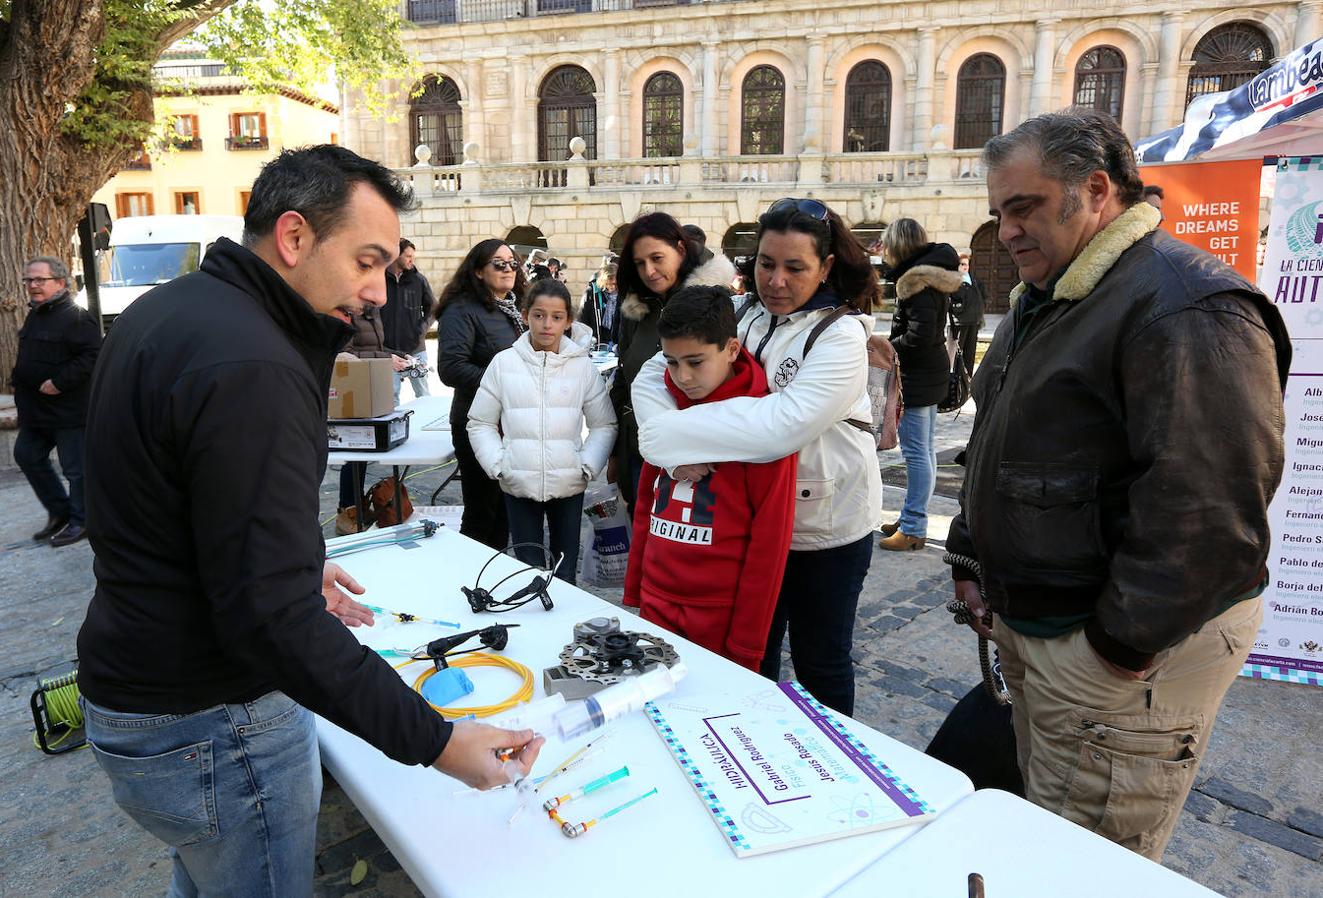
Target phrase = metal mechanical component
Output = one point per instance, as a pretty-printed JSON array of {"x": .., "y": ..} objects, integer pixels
[{"x": 603, "y": 653}]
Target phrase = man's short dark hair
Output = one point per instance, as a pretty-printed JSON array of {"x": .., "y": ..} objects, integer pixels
[
  {"x": 406, "y": 243},
  {"x": 706, "y": 314},
  {"x": 1154, "y": 190},
  {"x": 1071, "y": 145},
  {"x": 316, "y": 182},
  {"x": 697, "y": 233}
]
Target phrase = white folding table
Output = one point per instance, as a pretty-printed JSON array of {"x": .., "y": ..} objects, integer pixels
[
  {"x": 460, "y": 844},
  {"x": 1021, "y": 851}
]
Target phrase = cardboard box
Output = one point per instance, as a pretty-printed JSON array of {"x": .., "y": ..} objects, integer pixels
[{"x": 361, "y": 388}]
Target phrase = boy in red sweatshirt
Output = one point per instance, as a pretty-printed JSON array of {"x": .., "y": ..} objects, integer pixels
[{"x": 708, "y": 555}]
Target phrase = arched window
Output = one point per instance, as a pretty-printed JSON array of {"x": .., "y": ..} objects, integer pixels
[
  {"x": 435, "y": 119},
  {"x": 663, "y": 116},
  {"x": 566, "y": 109},
  {"x": 980, "y": 91},
  {"x": 1227, "y": 57},
  {"x": 763, "y": 112},
  {"x": 1100, "y": 81},
  {"x": 868, "y": 108}
]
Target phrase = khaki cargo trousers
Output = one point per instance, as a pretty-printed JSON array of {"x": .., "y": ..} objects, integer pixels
[{"x": 1119, "y": 756}]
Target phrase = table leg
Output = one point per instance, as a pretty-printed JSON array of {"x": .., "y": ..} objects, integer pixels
[
  {"x": 360, "y": 471},
  {"x": 399, "y": 485},
  {"x": 445, "y": 483}
]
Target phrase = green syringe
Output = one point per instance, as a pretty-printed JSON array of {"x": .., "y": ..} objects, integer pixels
[{"x": 601, "y": 782}]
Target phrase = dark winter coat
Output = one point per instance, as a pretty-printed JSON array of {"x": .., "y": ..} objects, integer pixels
[
  {"x": 408, "y": 310},
  {"x": 967, "y": 303},
  {"x": 1127, "y": 444},
  {"x": 369, "y": 340},
  {"x": 58, "y": 342},
  {"x": 206, "y": 447},
  {"x": 924, "y": 285},
  {"x": 469, "y": 333},
  {"x": 639, "y": 342}
]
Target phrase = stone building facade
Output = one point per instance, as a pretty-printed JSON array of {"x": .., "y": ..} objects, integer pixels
[{"x": 712, "y": 110}]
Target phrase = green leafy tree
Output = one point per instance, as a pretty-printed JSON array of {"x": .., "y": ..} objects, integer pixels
[{"x": 76, "y": 96}]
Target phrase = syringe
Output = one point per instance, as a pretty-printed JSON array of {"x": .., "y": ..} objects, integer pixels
[
  {"x": 587, "y": 789},
  {"x": 580, "y": 717}
]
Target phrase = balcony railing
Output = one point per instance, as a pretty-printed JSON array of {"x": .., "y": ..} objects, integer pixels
[
  {"x": 142, "y": 163},
  {"x": 862, "y": 170},
  {"x": 450, "y": 12},
  {"x": 246, "y": 143},
  {"x": 185, "y": 143}
]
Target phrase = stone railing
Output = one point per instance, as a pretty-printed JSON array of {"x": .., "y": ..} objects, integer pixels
[
  {"x": 806, "y": 170},
  {"x": 450, "y": 12}
]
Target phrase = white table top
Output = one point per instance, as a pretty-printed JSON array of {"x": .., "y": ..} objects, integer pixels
[
  {"x": 1020, "y": 850},
  {"x": 423, "y": 447},
  {"x": 460, "y": 845}
]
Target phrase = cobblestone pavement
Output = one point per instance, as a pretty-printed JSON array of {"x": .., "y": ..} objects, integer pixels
[{"x": 1252, "y": 827}]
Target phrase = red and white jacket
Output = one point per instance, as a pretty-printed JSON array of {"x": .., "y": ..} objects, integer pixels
[{"x": 708, "y": 556}]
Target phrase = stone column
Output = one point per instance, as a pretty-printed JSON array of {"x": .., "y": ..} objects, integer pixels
[
  {"x": 475, "y": 127},
  {"x": 923, "y": 89},
  {"x": 615, "y": 123},
  {"x": 1040, "y": 96},
  {"x": 520, "y": 148},
  {"x": 1148, "y": 80},
  {"x": 1165, "y": 112},
  {"x": 709, "y": 129},
  {"x": 815, "y": 141},
  {"x": 1307, "y": 24}
]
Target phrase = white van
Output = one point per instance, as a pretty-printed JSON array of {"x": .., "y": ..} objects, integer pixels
[{"x": 153, "y": 249}]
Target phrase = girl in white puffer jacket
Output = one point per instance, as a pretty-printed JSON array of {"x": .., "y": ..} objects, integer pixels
[{"x": 526, "y": 427}]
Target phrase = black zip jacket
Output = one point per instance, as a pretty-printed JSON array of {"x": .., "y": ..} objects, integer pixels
[
  {"x": 469, "y": 334},
  {"x": 924, "y": 285},
  {"x": 1127, "y": 445},
  {"x": 206, "y": 447},
  {"x": 58, "y": 342},
  {"x": 409, "y": 305}
]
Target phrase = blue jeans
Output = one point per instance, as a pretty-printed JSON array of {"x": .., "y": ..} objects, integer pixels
[
  {"x": 234, "y": 790},
  {"x": 419, "y": 384},
  {"x": 916, "y": 445},
  {"x": 818, "y": 600},
  {"x": 564, "y": 518},
  {"x": 32, "y": 454}
]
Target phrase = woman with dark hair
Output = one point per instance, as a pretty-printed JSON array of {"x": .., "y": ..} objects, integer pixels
[
  {"x": 926, "y": 274},
  {"x": 808, "y": 326},
  {"x": 479, "y": 317},
  {"x": 657, "y": 259}
]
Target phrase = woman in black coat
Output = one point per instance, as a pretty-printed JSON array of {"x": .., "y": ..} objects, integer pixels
[
  {"x": 926, "y": 274},
  {"x": 478, "y": 318}
]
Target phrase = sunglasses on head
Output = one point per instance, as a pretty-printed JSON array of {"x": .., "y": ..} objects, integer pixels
[
  {"x": 502, "y": 265},
  {"x": 812, "y": 208}
]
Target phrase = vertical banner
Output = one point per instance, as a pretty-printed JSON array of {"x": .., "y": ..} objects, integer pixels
[
  {"x": 1212, "y": 205},
  {"x": 1289, "y": 646}
]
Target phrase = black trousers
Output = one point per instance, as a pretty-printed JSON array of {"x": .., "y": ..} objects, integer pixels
[
  {"x": 484, "y": 503},
  {"x": 818, "y": 600},
  {"x": 564, "y": 518},
  {"x": 32, "y": 454}
]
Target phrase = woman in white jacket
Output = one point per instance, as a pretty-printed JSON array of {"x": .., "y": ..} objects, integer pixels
[
  {"x": 813, "y": 284},
  {"x": 526, "y": 426}
]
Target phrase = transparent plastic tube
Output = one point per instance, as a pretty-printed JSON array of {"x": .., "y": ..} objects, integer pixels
[{"x": 583, "y": 716}]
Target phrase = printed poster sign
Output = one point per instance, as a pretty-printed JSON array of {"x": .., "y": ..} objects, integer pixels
[
  {"x": 1212, "y": 205},
  {"x": 1289, "y": 646}
]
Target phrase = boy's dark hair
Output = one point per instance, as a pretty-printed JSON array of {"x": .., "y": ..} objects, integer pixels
[
  {"x": 548, "y": 287},
  {"x": 315, "y": 182},
  {"x": 706, "y": 314}
]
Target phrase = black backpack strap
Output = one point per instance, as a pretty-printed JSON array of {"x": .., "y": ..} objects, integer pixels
[{"x": 836, "y": 315}]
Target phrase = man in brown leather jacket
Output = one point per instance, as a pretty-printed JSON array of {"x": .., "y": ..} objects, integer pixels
[{"x": 1127, "y": 444}]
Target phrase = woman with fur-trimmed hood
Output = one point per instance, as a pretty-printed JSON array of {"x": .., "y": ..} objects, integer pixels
[
  {"x": 926, "y": 274},
  {"x": 657, "y": 259}
]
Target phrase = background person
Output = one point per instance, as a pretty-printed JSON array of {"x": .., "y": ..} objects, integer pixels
[
  {"x": 212, "y": 636},
  {"x": 1117, "y": 481},
  {"x": 657, "y": 259},
  {"x": 526, "y": 426},
  {"x": 409, "y": 311},
  {"x": 57, "y": 349},
  {"x": 478, "y": 318},
  {"x": 809, "y": 268},
  {"x": 966, "y": 316},
  {"x": 600, "y": 307},
  {"x": 926, "y": 276}
]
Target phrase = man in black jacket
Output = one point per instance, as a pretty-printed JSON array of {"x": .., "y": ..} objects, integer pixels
[
  {"x": 408, "y": 312},
  {"x": 1117, "y": 481},
  {"x": 213, "y": 632},
  {"x": 57, "y": 349}
]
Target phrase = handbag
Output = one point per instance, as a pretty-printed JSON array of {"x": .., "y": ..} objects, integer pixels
[
  {"x": 382, "y": 499},
  {"x": 958, "y": 387}
]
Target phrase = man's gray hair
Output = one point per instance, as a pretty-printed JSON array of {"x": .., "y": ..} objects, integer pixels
[
  {"x": 58, "y": 269},
  {"x": 1071, "y": 145}
]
